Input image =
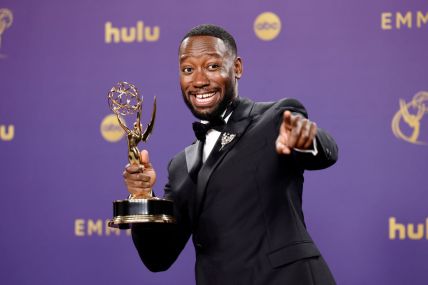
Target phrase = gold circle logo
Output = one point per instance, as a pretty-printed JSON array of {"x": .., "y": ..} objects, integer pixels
[
  {"x": 267, "y": 26},
  {"x": 110, "y": 129}
]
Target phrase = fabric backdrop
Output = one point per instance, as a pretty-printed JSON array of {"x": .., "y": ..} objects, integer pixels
[{"x": 360, "y": 68}]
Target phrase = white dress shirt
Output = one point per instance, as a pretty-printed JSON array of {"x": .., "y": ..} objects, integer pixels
[{"x": 210, "y": 139}]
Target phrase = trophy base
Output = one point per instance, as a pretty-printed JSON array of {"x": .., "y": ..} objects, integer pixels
[{"x": 133, "y": 211}]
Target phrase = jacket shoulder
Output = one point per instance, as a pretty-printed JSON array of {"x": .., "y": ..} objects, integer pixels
[{"x": 291, "y": 104}]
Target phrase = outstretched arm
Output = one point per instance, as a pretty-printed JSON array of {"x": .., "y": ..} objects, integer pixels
[{"x": 312, "y": 146}]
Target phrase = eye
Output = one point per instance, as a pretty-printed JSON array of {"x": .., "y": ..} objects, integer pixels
[
  {"x": 213, "y": 66},
  {"x": 187, "y": 70}
]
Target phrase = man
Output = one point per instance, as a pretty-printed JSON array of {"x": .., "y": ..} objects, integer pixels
[{"x": 238, "y": 189}]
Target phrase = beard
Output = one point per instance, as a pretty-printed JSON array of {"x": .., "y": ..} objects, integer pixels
[{"x": 218, "y": 110}]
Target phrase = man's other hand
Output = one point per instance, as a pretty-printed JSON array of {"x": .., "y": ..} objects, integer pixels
[{"x": 139, "y": 179}]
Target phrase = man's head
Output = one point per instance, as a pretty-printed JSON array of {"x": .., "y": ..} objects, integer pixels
[{"x": 209, "y": 70}]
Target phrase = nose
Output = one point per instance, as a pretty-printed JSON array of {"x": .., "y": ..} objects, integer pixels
[{"x": 200, "y": 79}]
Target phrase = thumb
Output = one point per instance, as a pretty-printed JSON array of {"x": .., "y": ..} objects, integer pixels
[{"x": 145, "y": 160}]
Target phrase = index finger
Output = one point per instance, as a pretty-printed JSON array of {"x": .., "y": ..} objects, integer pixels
[
  {"x": 287, "y": 119},
  {"x": 296, "y": 127}
]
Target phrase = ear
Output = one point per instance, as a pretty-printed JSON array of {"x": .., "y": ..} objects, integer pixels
[{"x": 238, "y": 67}]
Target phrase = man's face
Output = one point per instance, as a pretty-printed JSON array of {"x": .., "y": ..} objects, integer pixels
[{"x": 208, "y": 75}]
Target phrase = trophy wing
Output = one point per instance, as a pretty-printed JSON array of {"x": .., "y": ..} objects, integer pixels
[{"x": 150, "y": 126}]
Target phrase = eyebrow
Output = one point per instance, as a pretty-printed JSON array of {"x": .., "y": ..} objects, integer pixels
[{"x": 213, "y": 54}]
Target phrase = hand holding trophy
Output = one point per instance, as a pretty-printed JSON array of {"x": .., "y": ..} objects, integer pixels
[{"x": 124, "y": 100}]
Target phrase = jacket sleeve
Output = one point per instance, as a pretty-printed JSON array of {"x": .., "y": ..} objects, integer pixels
[
  {"x": 327, "y": 150},
  {"x": 159, "y": 245},
  {"x": 327, "y": 153}
]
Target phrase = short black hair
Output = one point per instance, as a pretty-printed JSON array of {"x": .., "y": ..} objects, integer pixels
[{"x": 213, "y": 31}]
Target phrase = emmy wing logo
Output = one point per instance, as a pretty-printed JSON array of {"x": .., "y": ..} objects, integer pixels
[
  {"x": 406, "y": 124},
  {"x": 6, "y": 20}
]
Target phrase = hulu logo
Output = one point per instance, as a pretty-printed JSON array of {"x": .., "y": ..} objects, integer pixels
[
  {"x": 407, "y": 231},
  {"x": 7, "y": 132},
  {"x": 139, "y": 33}
]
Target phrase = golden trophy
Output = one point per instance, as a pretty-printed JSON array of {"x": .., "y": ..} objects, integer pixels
[{"x": 125, "y": 101}]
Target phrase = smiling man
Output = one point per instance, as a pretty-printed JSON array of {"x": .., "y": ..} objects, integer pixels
[
  {"x": 237, "y": 190},
  {"x": 209, "y": 70}
]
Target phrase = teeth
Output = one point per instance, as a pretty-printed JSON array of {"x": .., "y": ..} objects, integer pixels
[{"x": 206, "y": 95}]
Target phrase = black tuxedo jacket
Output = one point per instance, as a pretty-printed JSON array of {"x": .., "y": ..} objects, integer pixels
[{"x": 243, "y": 206}]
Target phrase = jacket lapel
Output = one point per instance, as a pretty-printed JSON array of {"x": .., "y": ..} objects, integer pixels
[
  {"x": 236, "y": 127},
  {"x": 194, "y": 158}
]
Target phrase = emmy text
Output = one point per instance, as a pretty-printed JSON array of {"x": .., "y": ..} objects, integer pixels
[
  {"x": 99, "y": 227},
  {"x": 398, "y": 20}
]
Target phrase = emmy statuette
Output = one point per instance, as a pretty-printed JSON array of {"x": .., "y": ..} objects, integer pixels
[{"x": 124, "y": 101}]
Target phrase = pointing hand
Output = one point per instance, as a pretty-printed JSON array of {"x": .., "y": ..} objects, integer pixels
[{"x": 295, "y": 132}]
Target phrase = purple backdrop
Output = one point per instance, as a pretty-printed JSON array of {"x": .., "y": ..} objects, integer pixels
[{"x": 349, "y": 62}]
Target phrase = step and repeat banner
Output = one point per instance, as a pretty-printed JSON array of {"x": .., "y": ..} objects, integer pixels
[{"x": 360, "y": 68}]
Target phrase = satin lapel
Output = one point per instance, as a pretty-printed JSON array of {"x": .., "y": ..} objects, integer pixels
[
  {"x": 237, "y": 125},
  {"x": 193, "y": 158}
]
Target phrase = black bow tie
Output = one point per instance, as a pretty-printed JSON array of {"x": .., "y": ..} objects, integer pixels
[
  {"x": 218, "y": 124},
  {"x": 201, "y": 129}
]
